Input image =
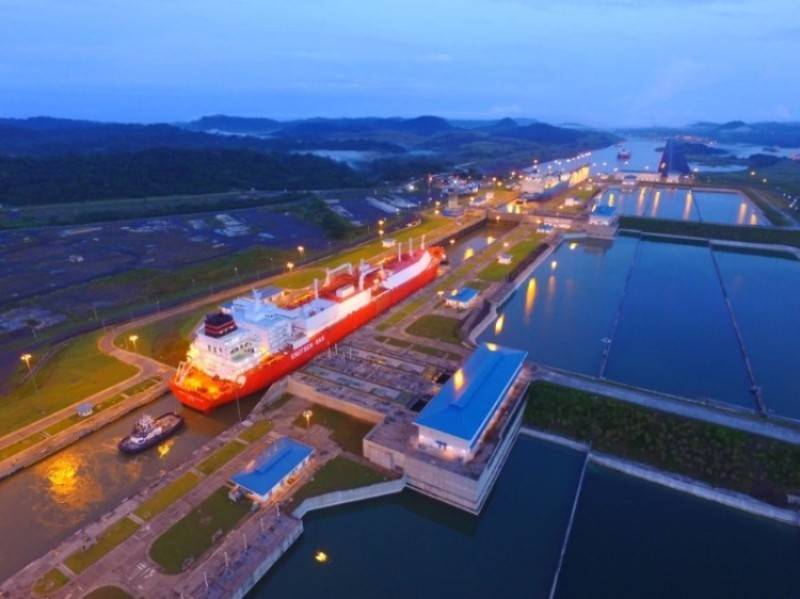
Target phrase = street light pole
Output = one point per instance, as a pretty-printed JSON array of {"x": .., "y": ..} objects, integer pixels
[{"x": 27, "y": 359}]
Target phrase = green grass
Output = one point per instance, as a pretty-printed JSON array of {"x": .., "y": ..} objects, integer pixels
[
  {"x": 434, "y": 326},
  {"x": 478, "y": 284},
  {"x": 20, "y": 445},
  {"x": 347, "y": 432},
  {"x": 337, "y": 475},
  {"x": 744, "y": 234},
  {"x": 167, "y": 340},
  {"x": 164, "y": 498},
  {"x": 108, "y": 592},
  {"x": 518, "y": 252},
  {"x": 256, "y": 431},
  {"x": 400, "y": 313},
  {"x": 50, "y": 582},
  {"x": 195, "y": 533},
  {"x": 761, "y": 467},
  {"x": 106, "y": 541},
  {"x": 76, "y": 371},
  {"x": 221, "y": 457}
]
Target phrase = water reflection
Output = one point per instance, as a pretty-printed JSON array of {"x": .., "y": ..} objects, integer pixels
[
  {"x": 530, "y": 299},
  {"x": 498, "y": 324}
]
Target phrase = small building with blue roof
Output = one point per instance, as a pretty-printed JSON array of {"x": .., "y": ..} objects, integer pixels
[
  {"x": 603, "y": 215},
  {"x": 462, "y": 299},
  {"x": 270, "y": 471},
  {"x": 456, "y": 419}
]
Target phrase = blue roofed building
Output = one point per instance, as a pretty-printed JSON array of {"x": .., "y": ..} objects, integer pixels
[
  {"x": 603, "y": 215},
  {"x": 457, "y": 418},
  {"x": 272, "y": 469},
  {"x": 462, "y": 299}
]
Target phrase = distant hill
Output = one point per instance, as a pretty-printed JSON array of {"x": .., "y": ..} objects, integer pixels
[
  {"x": 785, "y": 135},
  {"x": 163, "y": 171},
  {"x": 234, "y": 124},
  {"x": 78, "y": 160}
]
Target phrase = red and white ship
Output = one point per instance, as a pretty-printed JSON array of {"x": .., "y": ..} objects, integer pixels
[{"x": 258, "y": 338}]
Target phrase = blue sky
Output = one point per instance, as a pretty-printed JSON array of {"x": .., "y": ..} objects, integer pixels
[{"x": 605, "y": 62}]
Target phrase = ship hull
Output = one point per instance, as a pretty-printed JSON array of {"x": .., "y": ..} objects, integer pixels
[{"x": 271, "y": 370}]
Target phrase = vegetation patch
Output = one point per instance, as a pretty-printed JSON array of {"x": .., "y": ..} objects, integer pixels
[
  {"x": 105, "y": 542},
  {"x": 76, "y": 371},
  {"x": 256, "y": 431},
  {"x": 339, "y": 474},
  {"x": 50, "y": 582},
  {"x": 168, "y": 495},
  {"x": 745, "y": 234},
  {"x": 399, "y": 314},
  {"x": 191, "y": 536},
  {"x": 435, "y": 326},
  {"x": 518, "y": 252},
  {"x": 221, "y": 457},
  {"x": 21, "y": 445},
  {"x": 347, "y": 432},
  {"x": 761, "y": 467},
  {"x": 108, "y": 592}
]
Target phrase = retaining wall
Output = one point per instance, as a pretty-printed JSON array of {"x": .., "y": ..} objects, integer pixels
[
  {"x": 349, "y": 496},
  {"x": 47, "y": 447}
]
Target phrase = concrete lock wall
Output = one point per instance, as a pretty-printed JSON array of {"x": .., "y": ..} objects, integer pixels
[
  {"x": 349, "y": 496},
  {"x": 306, "y": 391}
]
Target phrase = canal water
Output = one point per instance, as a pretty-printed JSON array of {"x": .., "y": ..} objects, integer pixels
[
  {"x": 632, "y": 538},
  {"x": 629, "y": 539},
  {"x": 410, "y": 546},
  {"x": 673, "y": 330},
  {"x": 474, "y": 243},
  {"x": 684, "y": 204},
  {"x": 47, "y": 502}
]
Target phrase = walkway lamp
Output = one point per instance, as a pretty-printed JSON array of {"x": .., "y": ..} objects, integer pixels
[
  {"x": 307, "y": 414},
  {"x": 133, "y": 339},
  {"x": 290, "y": 266}
]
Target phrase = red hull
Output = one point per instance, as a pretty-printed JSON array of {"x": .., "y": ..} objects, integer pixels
[{"x": 273, "y": 369}]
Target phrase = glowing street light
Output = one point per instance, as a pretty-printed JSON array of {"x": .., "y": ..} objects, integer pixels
[
  {"x": 301, "y": 250},
  {"x": 133, "y": 339},
  {"x": 307, "y": 414},
  {"x": 27, "y": 359},
  {"x": 290, "y": 266}
]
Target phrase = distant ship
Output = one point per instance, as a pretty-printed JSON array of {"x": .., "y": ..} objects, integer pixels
[
  {"x": 262, "y": 336},
  {"x": 149, "y": 431},
  {"x": 623, "y": 154}
]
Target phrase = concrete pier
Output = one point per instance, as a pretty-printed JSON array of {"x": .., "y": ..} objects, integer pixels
[{"x": 568, "y": 531}]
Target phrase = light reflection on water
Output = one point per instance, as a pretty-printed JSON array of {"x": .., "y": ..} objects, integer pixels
[{"x": 72, "y": 488}]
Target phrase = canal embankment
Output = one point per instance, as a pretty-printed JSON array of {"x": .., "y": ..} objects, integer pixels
[
  {"x": 75, "y": 428},
  {"x": 684, "y": 484},
  {"x": 738, "y": 465}
]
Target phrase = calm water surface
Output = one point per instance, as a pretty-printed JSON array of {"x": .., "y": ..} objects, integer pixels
[
  {"x": 684, "y": 204},
  {"x": 765, "y": 293},
  {"x": 631, "y": 538},
  {"x": 674, "y": 333},
  {"x": 410, "y": 546}
]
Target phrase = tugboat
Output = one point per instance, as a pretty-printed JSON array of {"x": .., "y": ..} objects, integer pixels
[{"x": 149, "y": 431}]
